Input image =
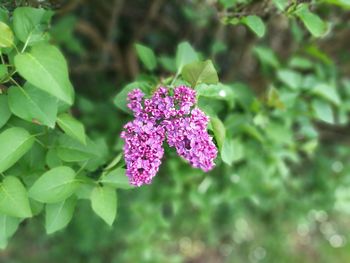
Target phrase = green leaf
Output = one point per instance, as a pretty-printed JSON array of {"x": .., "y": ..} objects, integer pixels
[
  {"x": 3, "y": 71},
  {"x": 327, "y": 92},
  {"x": 317, "y": 53},
  {"x": 323, "y": 111},
  {"x": 33, "y": 105},
  {"x": 52, "y": 159},
  {"x": 279, "y": 133},
  {"x": 4, "y": 109},
  {"x": 13, "y": 198},
  {"x": 266, "y": 56},
  {"x": 228, "y": 3},
  {"x": 4, "y": 16},
  {"x": 147, "y": 56},
  {"x": 218, "y": 91},
  {"x": 6, "y": 36},
  {"x": 281, "y": 4},
  {"x": 300, "y": 63},
  {"x": 8, "y": 226},
  {"x": 342, "y": 199},
  {"x": 274, "y": 100},
  {"x": 100, "y": 149},
  {"x": 85, "y": 189},
  {"x": 34, "y": 159},
  {"x": 219, "y": 131},
  {"x": 70, "y": 150},
  {"x": 167, "y": 63},
  {"x": 312, "y": 22},
  {"x": 15, "y": 142},
  {"x": 55, "y": 185},
  {"x": 30, "y": 24},
  {"x": 114, "y": 162},
  {"x": 117, "y": 179},
  {"x": 231, "y": 20},
  {"x": 63, "y": 33},
  {"x": 58, "y": 215},
  {"x": 238, "y": 150},
  {"x": 185, "y": 54},
  {"x": 36, "y": 206},
  {"x": 200, "y": 72},
  {"x": 291, "y": 78},
  {"x": 72, "y": 127},
  {"x": 104, "y": 203},
  {"x": 252, "y": 131},
  {"x": 227, "y": 152},
  {"x": 255, "y": 23},
  {"x": 342, "y": 3},
  {"x": 232, "y": 151},
  {"x": 46, "y": 68}
]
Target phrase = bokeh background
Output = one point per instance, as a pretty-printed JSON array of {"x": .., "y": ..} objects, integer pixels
[{"x": 285, "y": 198}]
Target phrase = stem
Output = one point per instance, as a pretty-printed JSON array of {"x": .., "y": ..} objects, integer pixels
[
  {"x": 82, "y": 167},
  {"x": 16, "y": 49},
  {"x": 38, "y": 141},
  {"x": 9, "y": 76},
  {"x": 25, "y": 45},
  {"x": 15, "y": 82},
  {"x": 174, "y": 79}
]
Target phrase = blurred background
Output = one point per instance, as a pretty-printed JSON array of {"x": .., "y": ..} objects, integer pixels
[{"x": 286, "y": 195}]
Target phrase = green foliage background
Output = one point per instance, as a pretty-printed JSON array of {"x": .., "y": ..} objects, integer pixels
[{"x": 272, "y": 75}]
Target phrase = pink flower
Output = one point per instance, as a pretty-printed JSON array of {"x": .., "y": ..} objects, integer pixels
[
  {"x": 160, "y": 116},
  {"x": 143, "y": 150},
  {"x": 191, "y": 139}
]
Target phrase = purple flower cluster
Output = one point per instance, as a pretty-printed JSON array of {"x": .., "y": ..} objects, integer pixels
[
  {"x": 173, "y": 117},
  {"x": 143, "y": 150},
  {"x": 190, "y": 138}
]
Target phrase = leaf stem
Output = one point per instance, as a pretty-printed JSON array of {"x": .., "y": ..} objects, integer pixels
[
  {"x": 82, "y": 167},
  {"x": 174, "y": 79},
  {"x": 25, "y": 44},
  {"x": 16, "y": 49},
  {"x": 39, "y": 142},
  {"x": 15, "y": 82}
]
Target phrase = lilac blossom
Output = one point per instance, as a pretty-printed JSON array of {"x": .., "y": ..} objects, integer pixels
[
  {"x": 143, "y": 150},
  {"x": 161, "y": 105},
  {"x": 191, "y": 139},
  {"x": 185, "y": 98},
  {"x": 160, "y": 116},
  {"x": 135, "y": 102}
]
